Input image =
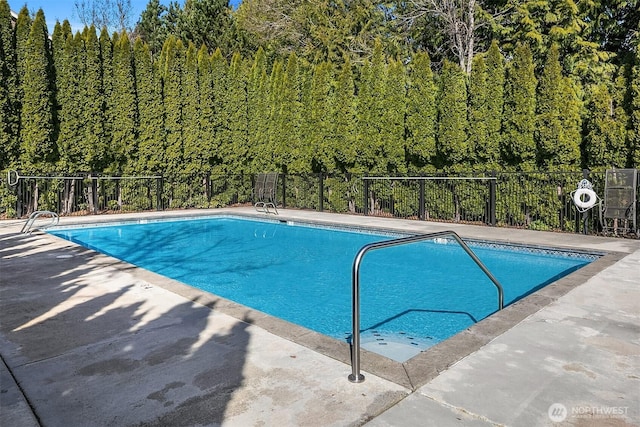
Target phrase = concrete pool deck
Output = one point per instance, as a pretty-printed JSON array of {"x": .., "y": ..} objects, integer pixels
[{"x": 87, "y": 340}]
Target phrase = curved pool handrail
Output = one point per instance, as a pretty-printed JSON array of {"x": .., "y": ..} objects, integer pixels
[
  {"x": 27, "y": 227},
  {"x": 356, "y": 376}
]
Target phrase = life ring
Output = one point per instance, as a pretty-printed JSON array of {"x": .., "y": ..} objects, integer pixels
[{"x": 591, "y": 196}]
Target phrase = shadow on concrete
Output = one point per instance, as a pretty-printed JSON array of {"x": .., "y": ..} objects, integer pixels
[{"x": 90, "y": 344}]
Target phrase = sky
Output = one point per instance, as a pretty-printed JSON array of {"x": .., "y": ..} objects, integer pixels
[{"x": 59, "y": 10}]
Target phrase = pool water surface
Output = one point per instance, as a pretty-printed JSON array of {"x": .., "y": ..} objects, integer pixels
[{"x": 412, "y": 296}]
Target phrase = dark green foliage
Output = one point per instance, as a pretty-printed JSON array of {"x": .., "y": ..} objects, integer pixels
[
  {"x": 23, "y": 27},
  {"x": 371, "y": 106},
  {"x": 152, "y": 28},
  {"x": 319, "y": 136},
  {"x": 479, "y": 114},
  {"x": 174, "y": 102},
  {"x": 495, "y": 106},
  {"x": 106, "y": 56},
  {"x": 319, "y": 31},
  {"x": 70, "y": 79},
  {"x": 9, "y": 117},
  {"x": 221, "y": 113},
  {"x": 634, "y": 131},
  {"x": 37, "y": 147},
  {"x": 277, "y": 154},
  {"x": 557, "y": 117},
  {"x": 123, "y": 105},
  {"x": 290, "y": 147},
  {"x": 107, "y": 115},
  {"x": 452, "y": 146},
  {"x": 518, "y": 149},
  {"x": 206, "y": 22},
  {"x": 421, "y": 115},
  {"x": 258, "y": 112},
  {"x": 392, "y": 153},
  {"x": 344, "y": 148},
  {"x": 604, "y": 142},
  {"x": 236, "y": 150},
  {"x": 194, "y": 152},
  {"x": 206, "y": 116},
  {"x": 95, "y": 140},
  {"x": 151, "y": 133}
]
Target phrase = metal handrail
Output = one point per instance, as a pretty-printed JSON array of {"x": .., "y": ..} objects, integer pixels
[
  {"x": 356, "y": 376},
  {"x": 32, "y": 218}
]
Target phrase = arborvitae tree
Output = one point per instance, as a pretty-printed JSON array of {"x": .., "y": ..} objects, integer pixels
[
  {"x": 70, "y": 78},
  {"x": 124, "y": 145},
  {"x": 392, "y": 154},
  {"x": 237, "y": 160},
  {"x": 206, "y": 129},
  {"x": 95, "y": 141},
  {"x": 453, "y": 151},
  {"x": 370, "y": 114},
  {"x": 258, "y": 105},
  {"x": 605, "y": 131},
  {"x": 221, "y": 114},
  {"x": 634, "y": 132},
  {"x": 290, "y": 129},
  {"x": 344, "y": 148},
  {"x": 174, "y": 100},
  {"x": 106, "y": 55},
  {"x": 278, "y": 153},
  {"x": 478, "y": 113},
  {"x": 318, "y": 122},
  {"x": 194, "y": 152},
  {"x": 557, "y": 133},
  {"x": 58, "y": 41},
  {"x": 518, "y": 149},
  {"x": 8, "y": 94},
  {"x": 569, "y": 150},
  {"x": 495, "y": 106},
  {"x": 22, "y": 29},
  {"x": 36, "y": 137},
  {"x": 421, "y": 114},
  {"x": 151, "y": 133}
]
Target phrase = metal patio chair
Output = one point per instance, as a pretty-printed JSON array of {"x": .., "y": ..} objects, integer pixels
[
  {"x": 620, "y": 208},
  {"x": 264, "y": 192}
]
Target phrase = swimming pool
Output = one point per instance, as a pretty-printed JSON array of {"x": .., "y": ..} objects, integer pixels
[{"x": 412, "y": 296}]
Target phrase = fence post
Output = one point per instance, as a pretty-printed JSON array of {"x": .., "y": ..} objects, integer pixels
[
  {"x": 585, "y": 214},
  {"x": 321, "y": 192},
  {"x": 284, "y": 191},
  {"x": 95, "y": 196},
  {"x": 492, "y": 199},
  {"x": 159, "y": 206},
  {"x": 421, "y": 210},
  {"x": 365, "y": 200}
]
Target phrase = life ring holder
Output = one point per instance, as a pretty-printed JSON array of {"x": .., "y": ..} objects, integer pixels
[
  {"x": 585, "y": 189},
  {"x": 13, "y": 174}
]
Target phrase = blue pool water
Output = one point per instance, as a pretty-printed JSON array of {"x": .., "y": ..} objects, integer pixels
[{"x": 415, "y": 295}]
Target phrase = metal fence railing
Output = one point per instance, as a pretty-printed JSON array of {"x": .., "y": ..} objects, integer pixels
[{"x": 540, "y": 200}]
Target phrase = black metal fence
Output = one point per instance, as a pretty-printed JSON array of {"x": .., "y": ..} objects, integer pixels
[{"x": 540, "y": 201}]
